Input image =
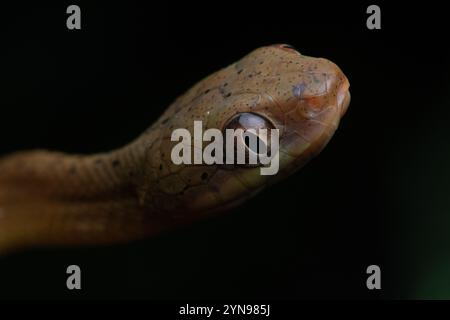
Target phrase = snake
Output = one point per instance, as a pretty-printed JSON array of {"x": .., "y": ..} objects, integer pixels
[{"x": 54, "y": 199}]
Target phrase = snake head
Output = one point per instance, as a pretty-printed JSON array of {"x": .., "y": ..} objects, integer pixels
[
  {"x": 305, "y": 97},
  {"x": 273, "y": 87}
]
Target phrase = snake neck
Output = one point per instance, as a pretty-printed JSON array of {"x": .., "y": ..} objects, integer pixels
[
  {"x": 51, "y": 198},
  {"x": 59, "y": 176}
]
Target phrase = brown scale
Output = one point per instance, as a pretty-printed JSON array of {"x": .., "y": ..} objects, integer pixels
[{"x": 51, "y": 198}]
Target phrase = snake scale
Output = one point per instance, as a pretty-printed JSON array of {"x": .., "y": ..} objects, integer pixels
[{"x": 50, "y": 198}]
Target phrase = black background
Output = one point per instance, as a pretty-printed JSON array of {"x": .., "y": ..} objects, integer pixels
[{"x": 376, "y": 195}]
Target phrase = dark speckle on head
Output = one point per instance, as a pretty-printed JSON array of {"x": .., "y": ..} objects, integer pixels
[
  {"x": 298, "y": 90},
  {"x": 204, "y": 176},
  {"x": 73, "y": 170},
  {"x": 184, "y": 189},
  {"x": 116, "y": 163}
]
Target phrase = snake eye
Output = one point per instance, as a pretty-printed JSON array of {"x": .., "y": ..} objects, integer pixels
[
  {"x": 245, "y": 128},
  {"x": 286, "y": 47},
  {"x": 247, "y": 120}
]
